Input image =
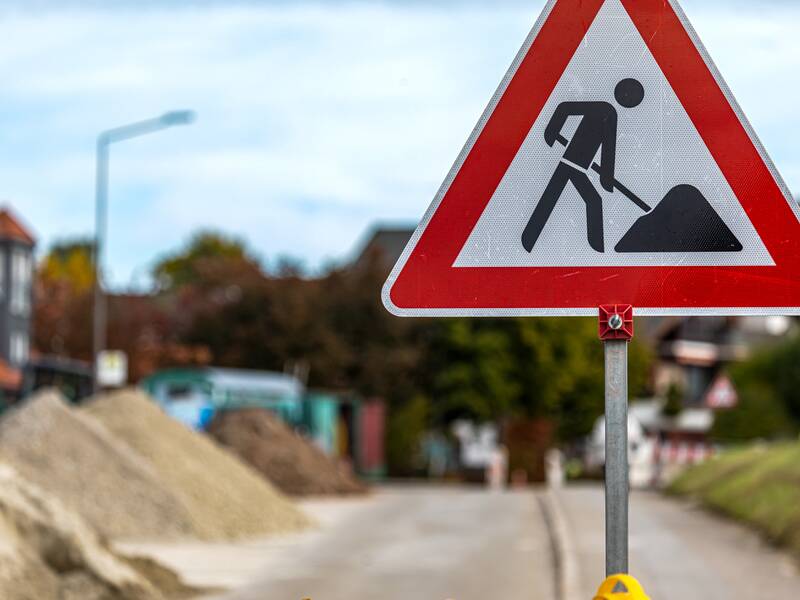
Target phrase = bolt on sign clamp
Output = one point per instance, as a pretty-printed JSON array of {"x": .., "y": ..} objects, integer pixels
[
  {"x": 621, "y": 587},
  {"x": 616, "y": 322}
]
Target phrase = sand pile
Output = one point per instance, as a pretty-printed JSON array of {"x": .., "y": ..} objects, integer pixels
[
  {"x": 224, "y": 497},
  {"x": 72, "y": 456},
  {"x": 50, "y": 553},
  {"x": 290, "y": 461}
]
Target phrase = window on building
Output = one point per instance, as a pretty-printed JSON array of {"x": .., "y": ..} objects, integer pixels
[
  {"x": 177, "y": 392},
  {"x": 19, "y": 348},
  {"x": 2, "y": 273},
  {"x": 698, "y": 381},
  {"x": 21, "y": 279}
]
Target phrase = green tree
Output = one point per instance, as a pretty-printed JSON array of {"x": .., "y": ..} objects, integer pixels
[
  {"x": 538, "y": 368},
  {"x": 561, "y": 369},
  {"x": 190, "y": 264},
  {"x": 768, "y": 387},
  {"x": 470, "y": 370},
  {"x": 758, "y": 415},
  {"x": 674, "y": 400},
  {"x": 407, "y": 423},
  {"x": 778, "y": 368}
]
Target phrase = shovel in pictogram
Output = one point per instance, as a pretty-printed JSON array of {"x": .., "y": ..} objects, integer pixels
[{"x": 684, "y": 221}]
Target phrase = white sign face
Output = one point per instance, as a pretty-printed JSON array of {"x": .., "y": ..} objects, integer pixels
[
  {"x": 112, "y": 368},
  {"x": 658, "y": 149}
]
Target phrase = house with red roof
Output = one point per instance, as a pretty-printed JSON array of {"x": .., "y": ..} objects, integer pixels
[{"x": 16, "y": 300}]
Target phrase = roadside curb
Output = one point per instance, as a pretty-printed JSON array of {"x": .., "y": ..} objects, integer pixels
[{"x": 565, "y": 562}]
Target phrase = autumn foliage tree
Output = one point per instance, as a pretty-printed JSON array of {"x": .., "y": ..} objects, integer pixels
[
  {"x": 142, "y": 325},
  {"x": 482, "y": 369},
  {"x": 63, "y": 300},
  {"x": 214, "y": 303}
]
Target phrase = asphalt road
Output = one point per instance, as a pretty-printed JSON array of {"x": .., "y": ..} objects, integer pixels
[
  {"x": 440, "y": 543},
  {"x": 426, "y": 543},
  {"x": 679, "y": 551}
]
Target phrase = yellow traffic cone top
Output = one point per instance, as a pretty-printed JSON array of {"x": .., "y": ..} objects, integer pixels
[{"x": 632, "y": 589}]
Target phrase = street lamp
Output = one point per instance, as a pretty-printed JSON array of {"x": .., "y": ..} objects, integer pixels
[{"x": 104, "y": 140}]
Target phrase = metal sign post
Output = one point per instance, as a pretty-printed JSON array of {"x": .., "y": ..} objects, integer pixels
[{"x": 616, "y": 330}]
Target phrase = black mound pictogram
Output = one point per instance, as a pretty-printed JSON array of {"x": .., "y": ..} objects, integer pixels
[{"x": 683, "y": 221}]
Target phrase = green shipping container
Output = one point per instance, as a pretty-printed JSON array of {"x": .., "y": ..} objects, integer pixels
[{"x": 321, "y": 418}]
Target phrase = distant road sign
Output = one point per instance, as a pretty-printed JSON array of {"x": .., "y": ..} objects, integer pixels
[
  {"x": 612, "y": 166},
  {"x": 112, "y": 368},
  {"x": 722, "y": 393}
]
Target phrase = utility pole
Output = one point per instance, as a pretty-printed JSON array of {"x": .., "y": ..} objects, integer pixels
[{"x": 104, "y": 141}]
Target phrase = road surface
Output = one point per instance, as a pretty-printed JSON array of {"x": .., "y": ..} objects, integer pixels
[
  {"x": 425, "y": 543},
  {"x": 678, "y": 551},
  {"x": 440, "y": 543}
]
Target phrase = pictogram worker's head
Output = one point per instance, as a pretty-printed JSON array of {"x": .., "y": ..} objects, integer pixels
[{"x": 629, "y": 93}]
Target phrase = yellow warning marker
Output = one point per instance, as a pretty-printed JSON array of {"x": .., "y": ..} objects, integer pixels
[{"x": 621, "y": 587}]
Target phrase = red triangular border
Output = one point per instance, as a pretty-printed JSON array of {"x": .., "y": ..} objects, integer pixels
[{"x": 424, "y": 282}]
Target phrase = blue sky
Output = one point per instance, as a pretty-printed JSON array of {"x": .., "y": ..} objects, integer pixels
[{"x": 315, "y": 119}]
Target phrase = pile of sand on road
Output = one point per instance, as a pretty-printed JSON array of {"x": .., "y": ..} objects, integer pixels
[
  {"x": 225, "y": 498},
  {"x": 55, "y": 447},
  {"x": 49, "y": 553},
  {"x": 290, "y": 461}
]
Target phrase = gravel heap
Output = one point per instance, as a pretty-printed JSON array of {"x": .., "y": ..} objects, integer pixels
[
  {"x": 225, "y": 498},
  {"x": 74, "y": 458},
  {"x": 290, "y": 461},
  {"x": 49, "y": 553}
]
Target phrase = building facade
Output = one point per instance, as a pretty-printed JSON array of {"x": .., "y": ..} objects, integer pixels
[{"x": 16, "y": 300}]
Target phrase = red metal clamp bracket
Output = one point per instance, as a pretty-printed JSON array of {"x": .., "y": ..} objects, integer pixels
[{"x": 616, "y": 322}]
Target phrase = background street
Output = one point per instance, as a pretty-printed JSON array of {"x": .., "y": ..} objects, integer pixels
[
  {"x": 437, "y": 542},
  {"x": 427, "y": 543}
]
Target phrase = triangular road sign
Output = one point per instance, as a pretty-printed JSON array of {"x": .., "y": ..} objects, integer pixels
[
  {"x": 722, "y": 393},
  {"x": 612, "y": 166}
]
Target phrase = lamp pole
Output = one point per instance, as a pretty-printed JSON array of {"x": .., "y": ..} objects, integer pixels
[{"x": 104, "y": 141}]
